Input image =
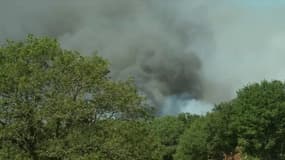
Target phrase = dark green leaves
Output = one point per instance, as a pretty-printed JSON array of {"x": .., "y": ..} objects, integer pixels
[{"x": 49, "y": 96}]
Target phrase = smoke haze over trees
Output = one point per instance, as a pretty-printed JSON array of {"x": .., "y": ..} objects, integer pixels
[
  {"x": 58, "y": 104},
  {"x": 182, "y": 52},
  {"x": 86, "y": 85}
]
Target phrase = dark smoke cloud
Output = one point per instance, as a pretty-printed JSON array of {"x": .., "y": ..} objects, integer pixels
[
  {"x": 142, "y": 38},
  {"x": 181, "y": 52}
]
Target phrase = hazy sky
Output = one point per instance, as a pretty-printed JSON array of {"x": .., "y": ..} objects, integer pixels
[{"x": 261, "y": 3}]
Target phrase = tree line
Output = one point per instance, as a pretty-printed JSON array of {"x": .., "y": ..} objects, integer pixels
[{"x": 56, "y": 104}]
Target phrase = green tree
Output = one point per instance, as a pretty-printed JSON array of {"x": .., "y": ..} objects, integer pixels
[
  {"x": 54, "y": 103},
  {"x": 168, "y": 130},
  {"x": 222, "y": 131},
  {"x": 260, "y": 111},
  {"x": 193, "y": 142},
  {"x": 254, "y": 122},
  {"x": 132, "y": 140}
]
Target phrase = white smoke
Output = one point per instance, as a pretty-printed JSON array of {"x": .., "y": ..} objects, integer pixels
[{"x": 177, "y": 104}]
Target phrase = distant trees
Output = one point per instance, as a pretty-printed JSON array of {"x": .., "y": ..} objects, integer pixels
[
  {"x": 168, "y": 130},
  {"x": 193, "y": 142}
]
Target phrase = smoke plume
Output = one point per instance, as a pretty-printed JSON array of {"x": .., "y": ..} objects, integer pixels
[{"x": 183, "y": 54}]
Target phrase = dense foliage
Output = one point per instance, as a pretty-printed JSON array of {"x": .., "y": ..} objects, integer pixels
[
  {"x": 252, "y": 124},
  {"x": 56, "y": 104}
]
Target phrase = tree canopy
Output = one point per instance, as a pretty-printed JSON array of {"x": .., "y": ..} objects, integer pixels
[
  {"x": 252, "y": 124},
  {"x": 51, "y": 98}
]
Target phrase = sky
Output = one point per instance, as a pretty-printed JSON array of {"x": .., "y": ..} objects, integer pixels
[{"x": 260, "y": 3}]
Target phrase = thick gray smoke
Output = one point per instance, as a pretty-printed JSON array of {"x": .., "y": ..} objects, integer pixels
[
  {"x": 182, "y": 53},
  {"x": 144, "y": 39}
]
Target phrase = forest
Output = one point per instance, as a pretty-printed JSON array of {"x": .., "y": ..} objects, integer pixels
[{"x": 56, "y": 104}]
